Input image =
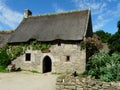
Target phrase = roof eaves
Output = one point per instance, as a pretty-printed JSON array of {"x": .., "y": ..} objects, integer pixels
[{"x": 86, "y": 23}]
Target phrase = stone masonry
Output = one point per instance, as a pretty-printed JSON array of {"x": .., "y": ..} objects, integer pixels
[
  {"x": 58, "y": 55},
  {"x": 84, "y": 83}
]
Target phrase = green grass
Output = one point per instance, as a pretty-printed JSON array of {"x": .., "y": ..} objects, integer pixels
[
  {"x": 34, "y": 71},
  {"x": 3, "y": 69},
  {"x": 55, "y": 73}
]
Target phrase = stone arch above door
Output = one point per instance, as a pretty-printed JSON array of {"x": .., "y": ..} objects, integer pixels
[
  {"x": 47, "y": 64},
  {"x": 46, "y": 57}
]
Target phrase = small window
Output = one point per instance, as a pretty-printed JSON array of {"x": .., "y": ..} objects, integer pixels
[
  {"x": 59, "y": 43},
  {"x": 28, "y": 57},
  {"x": 67, "y": 58}
]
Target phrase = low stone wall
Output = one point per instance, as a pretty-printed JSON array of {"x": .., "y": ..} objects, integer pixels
[{"x": 81, "y": 83}]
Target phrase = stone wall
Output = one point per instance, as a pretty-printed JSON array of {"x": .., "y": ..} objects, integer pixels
[
  {"x": 34, "y": 64},
  {"x": 58, "y": 55},
  {"x": 77, "y": 56},
  {"x": 84, "y": 83}
]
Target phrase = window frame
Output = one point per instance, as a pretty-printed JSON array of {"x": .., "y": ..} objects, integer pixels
[
  {"x": 68, "y": 58},
  {"x": 28, "y": 57}
]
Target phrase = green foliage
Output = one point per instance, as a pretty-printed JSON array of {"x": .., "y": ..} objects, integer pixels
[
  {"x": 105, "y": 67},
  {"x": 115, "y": 65},
  {"x": 3, "y": 69},
  {"x": 35, "y": 45},
  {"x": 114, "y": 41},
  {"x": 11, "y": 52},
  {"x": 106, "y": 77},
  {"x": 39, "y": 45},
  {"x": 4, "y": 57},
  {"x": 92, "y": 46},
  {"x": 15, "y": 51},
  {"x": 6, "y": 31},
  {"x": 118, "y": 25},
  {"x": 104, "y": 36},
  {"x": 45, "y": 46},
  {"x": 34, "y": 71}
]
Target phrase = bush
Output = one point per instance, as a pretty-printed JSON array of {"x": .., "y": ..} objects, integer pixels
[
  {"x": 92, "y": 46},
  {"x": 3, "y": 69},
  {"x": 105, "y": 67},
  {"x": 4, "y": 58}
]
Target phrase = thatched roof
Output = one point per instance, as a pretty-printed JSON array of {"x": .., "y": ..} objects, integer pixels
[
  {"x": 64, "y": 26},
  {"x": 4, "y": 38}
]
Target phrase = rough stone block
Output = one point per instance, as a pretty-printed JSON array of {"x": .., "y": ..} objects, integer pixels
[
  {"x": 79, "y": 88},
  {"x": 70, "y": 87}
]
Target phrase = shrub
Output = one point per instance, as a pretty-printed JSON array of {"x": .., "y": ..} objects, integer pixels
[
  {"x": 4, "y": 58},
  {"x": 3, "y": 69},
  {"x": 105, "y": 67},
  {"x": 92, "y": 46}
]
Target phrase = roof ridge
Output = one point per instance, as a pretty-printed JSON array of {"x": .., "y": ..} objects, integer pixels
[{"x": 59, "y": 13}]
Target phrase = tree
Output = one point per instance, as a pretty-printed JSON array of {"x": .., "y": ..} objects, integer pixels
[
  {"x": 104, "y": 36},
  {"x": 118, "y": 25},
  {"x": 114, "y": 41},
  {"x": 92, "y": 45}
]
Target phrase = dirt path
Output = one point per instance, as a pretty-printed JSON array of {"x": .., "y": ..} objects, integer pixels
[{"x": 27, "y": 81}]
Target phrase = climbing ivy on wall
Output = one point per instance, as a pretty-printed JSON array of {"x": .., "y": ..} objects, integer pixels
[
  {"x": 15, "y": 51},
  {"x": 11, "y": 52},
  {"x": 35, "y": 45}
]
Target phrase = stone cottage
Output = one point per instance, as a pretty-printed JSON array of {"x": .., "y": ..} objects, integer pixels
[{"x": 64, "y": 31}]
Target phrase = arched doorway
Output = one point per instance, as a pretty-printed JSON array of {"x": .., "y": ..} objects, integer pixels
[{"x": 47, "y": 64}]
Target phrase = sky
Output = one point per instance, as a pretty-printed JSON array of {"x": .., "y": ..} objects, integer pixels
[{"x": 105, "y": 13}]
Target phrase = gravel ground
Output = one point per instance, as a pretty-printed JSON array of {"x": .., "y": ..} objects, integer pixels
[{"x": 27, "y": 81}]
